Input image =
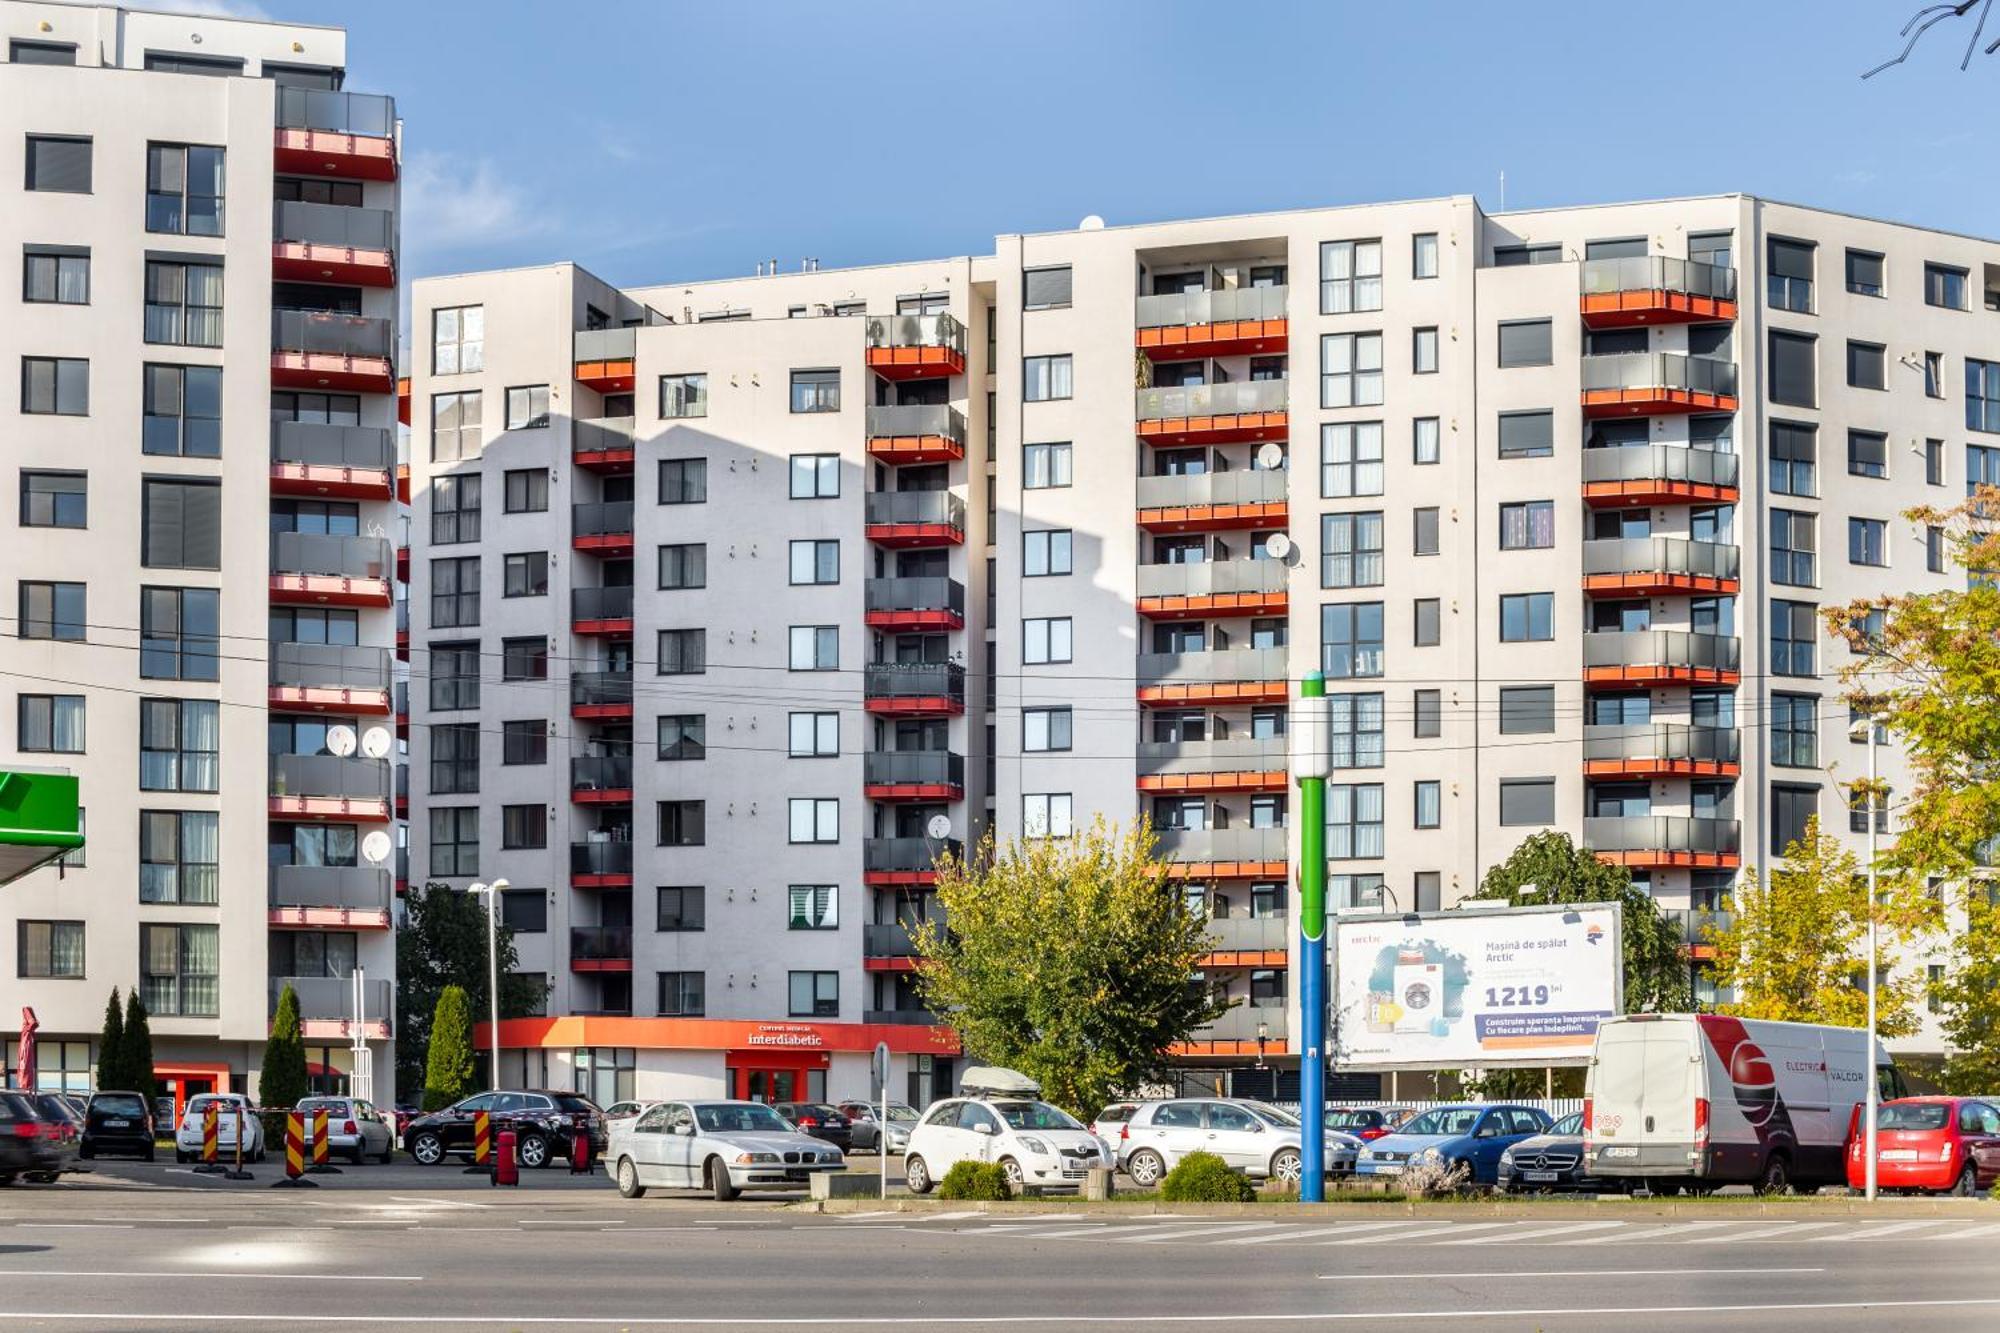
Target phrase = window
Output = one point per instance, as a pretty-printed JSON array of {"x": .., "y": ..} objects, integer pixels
[
  {"x": 1351, "y": 640},
  {"x": 683, "y": 481},
  {"x": 681, "y": 995},
  {"x": 1527, "y": 801},
  {"x": 179, "y": 744},
  {"x": 1791, "y": 808},
  {"x": 528, "y": 407},
  {"x": 1424, "y": 255},
  {"x": 184, "y": 189},
  {"x": 454, "y": 840},
  {"x": 1794, "y": 547},
  {"x": 1428, "y": 799},
  {"x": 1424, "y": 351},
  {"x": 1521, "y": 256},
  {"x": 455, "y": 592},
  {"x": 455, "y": 426},
  {"x": 1427, "y": 714},
  {"x": 1934, "y": 374},
  {"x": 183, "y": 304},
  {"x": 179, "y": 970},
  {"x": 458, "y": 340},
  {"x": 812, "y": 907},
  {"x": 22, "y": 52},
  {"x": 522, "y": 741},
  {"x": 51, "y": 723},
  {"x": 178, "y": 633},
  {"x": 1045, "y": 639},
  {"x": 1045, "y": 552},
  {"x": 1864, "y": 273},
  {"x": 1353, "y": 821},
  {"x": 178, "y": 851},
  {"x": 183, "y": 411},
  {"x": 58, "y": 275},
  {"x": 525, "y": 911},
  {"x": 685, "y": 565},
  {"x": 454, "y": 759},
  {"x": 1528, "y": 526},
  {"x": 1350, "y": 369},
  {"x": 1527, "y": 710},
  {"x": 1867, "y": 541},
  {"x": 58, "y": 164},
  {"x": 1350, "y": 276},
  {"x": 55, "y": 386},
  {"x": 1355, "y": 733},
  {"x": 524, "y": 826},
  {"x": 1982, "y": 394},
  {"x": 1044, "y": 729},
  {"x": 1867, "y": 365},
  {"x": 182, "y": 524},
  {"x": 1424, "y": 531},
  {"x": 525, "y": 574},
  {"x": 684, "y": 396},
  {"x": 815, "y": 648},
  {"x": 1934, "y": 462},
  {"x": 1944, "y": 286},
  {"x": 1350, "y": 459},
  {"x": 682, "y": 737},
  {"x": 815, "y": 391},
  {"x": 1526, "y": 342},
  {"x": 1791, "y": 274},
  {"x": 1044, "y": 466},
  {"x": 813, "y": 562},
  {"x": 815, "y": 735},
  {"x": 1527, "y": 434},
  {"x": 683, "y": 652},
  {"x": 49, "y": 950},
  {"x": 54, "y": 500},
  {"x": 1934, "y": 548},
  {"x": 1795, "y": 730},
  {"x": 683, "y": 823},
  {"x": 1527, "y": 617},
  {"x": 454, "y": 676},
  {"x": 1424, "y": 441},
  {"x": 683, "y": 907},
  {"x": 1793, "y": 636},
  {"x": 1046, "y": 378},
  {"x": 814, "y": 994},
  {"x": 1045, "y": 288},
  {"x": 1794, "y": 380},
  {"x": 1794, "y": 453},
  {"x": 1859, "y": 803},
  {"x": 1047, "y": 815},
  {"x": 1427, "y": 622},
  {"x": 815, "y": 476},
  {"x": 455, "y": 502},
  {"x": 52, "y": 611},
  {"x": 1351, "y": 550}
]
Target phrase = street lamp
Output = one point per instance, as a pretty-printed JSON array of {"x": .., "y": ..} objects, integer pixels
[
  {"x": 493, "y": 892},
  {"x": 1873, "y": 1093}
]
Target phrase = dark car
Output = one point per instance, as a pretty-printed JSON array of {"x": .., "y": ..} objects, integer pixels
[
  {"x": 1366, "y": 1123},
  {"x": 820, "y": 1121},
  {"x": 26, "y": 1146},
  {"x": 116, "y": 1122},
  {"x": 543, "y": 1122},
  {"x": 61, "y": 1126},
  {"x": 1552, "y": 1160}
]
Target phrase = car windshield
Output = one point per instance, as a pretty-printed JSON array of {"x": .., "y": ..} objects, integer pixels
[
  {"x": 1569, "y": 1124},
  {"x": 1351, "y": 1120},
  {"x": 331, "y": 1105},
  {"x": 1277, "y": 1115},
  {"x": 1444, "y": 1122},
  {"x": 222, "y": 1104},
  {"x": 1034, "y": 1115},
  {"x": 572, "y": 1103},
  {"x": 1916, "y": 1115},
  {"x": 731, "y": 1118},
  {"x": 119, "y": 1104},
  {"x": 905, "y": 1114}
]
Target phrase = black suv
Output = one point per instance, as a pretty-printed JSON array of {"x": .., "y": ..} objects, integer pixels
[
  {"x": 543, "y": 1123},
  {"x": 117, "y": 1122},
  {"x": 819, "y": 1121},
  {"x": 29, "y": 1145}
]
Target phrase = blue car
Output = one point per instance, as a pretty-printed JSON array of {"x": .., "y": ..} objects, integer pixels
[{"x": 1474, "y": 1134}]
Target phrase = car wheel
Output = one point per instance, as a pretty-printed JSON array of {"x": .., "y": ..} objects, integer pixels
[
  {"x": 1776, "y": 1177},
  {"x": 1287, "y": 1167},
  {"x": 427, "y": 1148},
  {"x": 628, "y": 1180},
  {"x": 1012, "y": 1170},
  {"x": 1146, "y": 1168},
  {"x": 1967, "y": 1183},
  {"x": 388, "y": 1156},
  {"x": 719, "y": 1183},
  {"x": 85, "y": 1152},
  {"x": 180, "y": 1157},
  {"x": 916, "y": 1175},
  {"x": 150, "y": 1154},
  {"x": 533, "y": 1151}
]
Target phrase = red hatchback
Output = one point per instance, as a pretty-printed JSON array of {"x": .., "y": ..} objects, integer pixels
[{"x": 1943, "y": 1145}]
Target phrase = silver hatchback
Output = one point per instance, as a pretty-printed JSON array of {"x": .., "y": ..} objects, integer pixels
[{"x": 1256, "y": 1138}]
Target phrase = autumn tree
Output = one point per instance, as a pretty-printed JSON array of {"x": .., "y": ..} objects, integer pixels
[
  {"x": 442, "y": 942},
  {"x": 1074, "y": 960},
  {"x": 1968, "y": 998}
]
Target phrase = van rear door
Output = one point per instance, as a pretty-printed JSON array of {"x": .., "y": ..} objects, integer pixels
[{"x": 1644, "y": 1082}]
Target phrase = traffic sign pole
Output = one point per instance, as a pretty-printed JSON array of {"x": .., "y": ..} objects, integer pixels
[{"x": 1310, "y": 728}]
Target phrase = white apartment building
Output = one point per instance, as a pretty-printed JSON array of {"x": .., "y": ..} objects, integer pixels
[
  {"x": 200, "y": 482},
  {"x": 735, "y": 609}
]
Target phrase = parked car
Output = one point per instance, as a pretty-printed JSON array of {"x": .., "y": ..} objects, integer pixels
[
  {"x": 1255, "y": 1138},
  {"x": 25, "y": 1147},
  {"x": 819, "y": 1120},
  {"x": 1109, "y": 1123},
  {"x": 542, "y": 1122},
  {"x": 187, "y": 1138},
  {"x": 404, "y": 1114},
  {"x": 866, "y": 1120},
  {"x": 1366, "y": 1123},
  {"x": 354, "y": 1128},
  {"x": 116, "y": 1122},
  {"x": 624, "y": 1110},
  {"x": 1549, "y": 1161},
  {"x": 61, "y": 1125},
  {"x": 1000, "y": 1119},
  {"x": 725, "y": 1147},
  {"x": 1930, "y": 1145},
  {"x": 1474, "y": 1135}
]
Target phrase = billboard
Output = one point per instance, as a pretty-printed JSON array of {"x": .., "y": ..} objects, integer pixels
[{"x": 1474, "y": 987}]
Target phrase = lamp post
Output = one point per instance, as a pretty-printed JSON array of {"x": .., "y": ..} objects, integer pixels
[
  {"x": 1872, "y": 1092},
  {"x": 1310, "y": 727},
  {"x": 492, "y": 892}
]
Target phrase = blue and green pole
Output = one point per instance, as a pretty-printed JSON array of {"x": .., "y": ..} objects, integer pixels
[{"x": 1309, "y": 726}]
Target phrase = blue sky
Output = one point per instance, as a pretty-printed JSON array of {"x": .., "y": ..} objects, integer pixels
[{"x": 666, "y": 140}]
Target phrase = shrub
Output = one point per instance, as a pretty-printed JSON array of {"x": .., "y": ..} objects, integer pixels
[
  {"x": 1202, "y": 1177},
  {"x": 1427, "y": 1179},
  {"x": 978, "y": 1181}
]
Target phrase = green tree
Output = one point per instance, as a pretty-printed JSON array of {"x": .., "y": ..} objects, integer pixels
[
  {"x": 136, "y": 1049},
  {"x": 113, "y": 1069},
  {"x": 441, "y": 943},
  {"x": 1968, "y": 998},
  {"x": 283, "y": 1082},
  {"x": 1072, "y": 959},
  {"x": 448, "y": 1070}
]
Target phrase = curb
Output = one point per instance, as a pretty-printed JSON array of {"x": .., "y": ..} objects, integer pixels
[{"x": 1619, "y": 1207}]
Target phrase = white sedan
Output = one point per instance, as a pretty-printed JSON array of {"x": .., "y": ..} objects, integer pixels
[
  {"x": 187, "y": 1136},
  {"x": 723, "y": 1147}
]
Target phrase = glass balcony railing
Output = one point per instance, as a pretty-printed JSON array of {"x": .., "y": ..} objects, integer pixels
[
  {"x": 602, "y": 434},
  {"x": 915, "y": 594},
  {"x": 607, "y": 344},
  {"x": 1219, "y": 307},
  {"x": 329, "y": 666},
  {"x": 1212, "y": 578},
  {"x": 1661, "y": 462},
  {"x": 329, "y": 776},
  {"x": 1211, "y": 400},
  {"x": 1247, "y": 1022},
  {"x": 893, "y": 940},
  {"x": 334, "y": 224},
  {"x": 1245, "y": 755},
  {"x": 1695, "y": 923},
  {"x": 403, "y": 616},
  {"x": 900, "y": 1017},
  {"x": 1663, "y": 647},
  {"x": 907, "y": 855},
  {"x": 336, "y": 113},
  {"x": 354, "y": 888},
  {"x": 1221, "y": 844},
  {"x": 600, "y": 603},
  {"x": 915, "y": 680},
  {"x": 600, "y": 858},
  {"x": 600, "y": 772},
  {"x": 1251, "y": 486},
  {"x": 324, "y": 333},
  {"x": 609, "y": 518},
  {"x": 315, "y": 444},
  {"x": 595, "y": 688},
  {"x": 331, "y": 999},
  {"x": 906, "y": 420},
  {"x": 913, "y": 768},
  {"x": 1660, "y": 370},
  {"x": 939, "y": 330},
  {"x": 1242, "y": 934},
  {"x": 1225, "y": 664},
  {"x": 600, "y": 944},
  {"x": 1660, "y": 555},
  {"x": 931, "y": 508},
  {"x": 1658, "y": 273},
  {"x": 327, "y": 556},
  {"x": 1675, "y": 741},
  {"x": 1662, "y": 833}
]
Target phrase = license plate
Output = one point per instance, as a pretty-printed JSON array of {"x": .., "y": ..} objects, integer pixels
[
  {"x": 1900, "y": 1155},
  {"x": 118, "y": 1124},
  {"x": 1621, "y": 1152},
  {"x": 1389, "y": 1169},
  {"x": 1538, "y": 1175}
]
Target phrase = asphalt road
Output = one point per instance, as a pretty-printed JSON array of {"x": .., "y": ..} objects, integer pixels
[{"x": 104, "y": 1252}]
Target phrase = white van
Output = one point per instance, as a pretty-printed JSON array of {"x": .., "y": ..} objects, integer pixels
[{"x": 1701, "y": 1100}]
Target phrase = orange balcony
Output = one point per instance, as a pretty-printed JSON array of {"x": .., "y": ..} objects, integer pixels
[
  {"x": 916, "y": 433},
  {"x": 1651, "y": 384},
  {"x": 1213, "y": 589},
  {"x": 1655, "y": 289},
  {"x": 1658, "y": 474},
  {"x": 1655, "y": 658},
  {"x": 1224, "y": 853},
  {"x": 1224, "y": 676},
  {"x": 1664, "y": 842},
  {"x": 1661, "y": 750},
  {"x": 1243, "y": 1030},
  {"x": 1215, "y": 501},
  {"x": 313, "y": 569},
  {"x": 1214, "y": 413},
  {"x": 904, "y": 520},
  {"x": 313, "y": 349},
  {"x": 1251, "y": 941},
  {"x": 1658, "y": 567},
  {"x": 607, "y": 359},
  {"x": 914, "y": 604},
  {"x": 914, "y": 689},
  {"x": 605, "y": 446},
  {"x": 1213, "y": 766},
  {"x": 332, "y": 462},
  {"x": 915, "y": 347},
  {"x": 603, "y": 529},
  {"x": 1241, "y": 321},
  {"x": 913, "y": 775}
]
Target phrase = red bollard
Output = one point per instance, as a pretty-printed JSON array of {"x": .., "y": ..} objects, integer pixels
[
  {"x": 506, "y": 1170},
  {"x": 579, "y": 1146}
]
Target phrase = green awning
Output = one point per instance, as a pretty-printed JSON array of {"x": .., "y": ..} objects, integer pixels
[{"x": 38, "y": 820}]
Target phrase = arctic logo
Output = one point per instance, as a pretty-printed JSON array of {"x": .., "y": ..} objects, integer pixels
[{"x": 1593, "y": 934}]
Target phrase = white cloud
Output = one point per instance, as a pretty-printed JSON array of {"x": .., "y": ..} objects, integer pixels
[
  {"x": 221, "y": 9},
  {"x": 454, "y": 205}
]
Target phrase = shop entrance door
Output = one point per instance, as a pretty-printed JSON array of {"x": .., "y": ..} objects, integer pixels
[{"x": 771, "y": 1077}]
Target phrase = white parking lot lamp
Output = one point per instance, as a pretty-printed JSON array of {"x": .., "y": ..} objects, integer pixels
[
  {"x": 1872, "y": 1091},
  {"x": 493, "y": 892}
]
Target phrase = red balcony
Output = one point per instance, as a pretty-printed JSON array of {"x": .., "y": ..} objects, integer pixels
[
  {"x": 600, "y": 949},
  {"x": 605, "y": 611},
  {"x": 1231, "y": 853},
  {"x": 1656, "y": 658},
  {"x": 329, "y": 678},
  {"x": 913, "y": 775},
  {"x": 325, "y": 787},
  {"x": 1664, "y": 842},
  {"x": 1655, "y": 289},
  {"x": 1658, "y": 474},
  {"x": 601, "y": 695},
  {"x": 1214, "y": 413},
  {"x": 600, "y": 865},
  {"x": 1651, "y": 384},
  {"x": 1658, "y": 567},
  {"x": 312, "y": 569},
  {"x": 1185, "y": 326},
  {"x": 604, "y": 779},
  {"x": 336, "y": 243},
  {"x": 403, "y": 415},
  {"x": 1660, "y": 750},
  {"x": 1213, "y": 589},
  {"x": 915, "y": 347},
  {"x": 1192, "y": 767},
  {"x": 317, "y": 350},
  {"x": 1215, "y": 501},
  {"x": 1224, "y": 676},
  {"x": 907, "y": 520},
  {"x": 917, "y": 689},
  {"x": 914, "y": 604},
  {"x": 605, "y": 446},
  {"x": 602, "y": 529},
  {"x": 916, "y": 433},
  {"x": 331, "y": 462},
  {"x": 905, "y": 862}
]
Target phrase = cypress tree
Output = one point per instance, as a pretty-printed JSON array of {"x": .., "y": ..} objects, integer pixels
[
  {"x": 111, "y": 1062},
  {"x": 448, "y": 1070},
  {"x": 137, "y": 1048},
  {"x": 283, "y": 1082}
]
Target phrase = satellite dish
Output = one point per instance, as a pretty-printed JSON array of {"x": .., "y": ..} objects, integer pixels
[
  {"x": 939, "y": 828},
  {"x": 375, "y": 742},
  {"x": 1271, "y": 457},
  {"x": 340, "y": 741},
  {"x": 1091, "y": 223},
  {"x": 375, "y": 848},
  {"x": 1278, "y": 546}
]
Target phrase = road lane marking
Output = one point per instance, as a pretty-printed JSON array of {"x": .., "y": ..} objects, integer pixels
[
  {"x": 1349, "y": 1229},
  {"x": 1566, "y": 1230},
  {"x": 149, "y": 1219},
  {"x": 1568, "y": 1272},
  {"x": 1088, "y": 1230},
  {"x": 1893, "y": 1229},
  {"x": 569, "y": 1221},
  {"x": 948, "y": 1217},
  {"x": 1784, "y": 1229},
  {"x": 1161, "y": 1237},
  {"x": 206, "y": 1275},
  {"x": 75, "y": 1226},
  {"x": 1675, "y": 1231},
  {"x": 437, "y": 1201},
  {"x": 1448, "y": 1228},
  {"x": 880, "y": 1212}
]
